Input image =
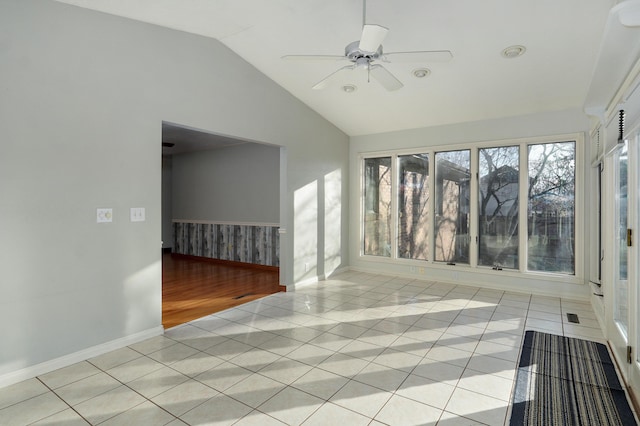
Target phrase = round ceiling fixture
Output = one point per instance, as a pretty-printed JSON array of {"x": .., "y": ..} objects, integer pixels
[
  {"x": 514, "y": 51},
  {"x": 421, "y": 72},
  {"x": 349, "y": 88}
]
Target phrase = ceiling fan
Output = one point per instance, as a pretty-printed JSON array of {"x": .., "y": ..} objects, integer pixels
[{"x": 365, "y": 52}]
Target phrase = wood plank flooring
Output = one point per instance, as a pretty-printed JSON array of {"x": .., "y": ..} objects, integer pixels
[{"x": 193, "y": 287}]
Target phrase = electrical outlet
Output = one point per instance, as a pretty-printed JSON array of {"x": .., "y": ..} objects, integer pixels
[{"x": 104, "y": 215}]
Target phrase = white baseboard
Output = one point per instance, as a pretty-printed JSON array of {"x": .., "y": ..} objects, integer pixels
[{"x": 82, "y": 355}]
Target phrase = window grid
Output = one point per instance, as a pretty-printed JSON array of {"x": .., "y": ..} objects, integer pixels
[{"x": 523, "y": 148}]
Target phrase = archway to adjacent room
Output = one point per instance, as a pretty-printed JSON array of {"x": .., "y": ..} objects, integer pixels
[{"x": 220, "y": 222}]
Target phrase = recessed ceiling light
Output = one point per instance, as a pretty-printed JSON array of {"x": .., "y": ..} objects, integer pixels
[
  {"x": 349, "y": 88},
  {"x": 421, "y": 72},
  {"x": 513, "y": 51}
]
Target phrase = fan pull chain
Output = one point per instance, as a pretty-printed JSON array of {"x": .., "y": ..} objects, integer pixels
[{"x": 621, "y": 126}]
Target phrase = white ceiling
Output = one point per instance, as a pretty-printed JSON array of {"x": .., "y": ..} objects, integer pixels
[{"x": 562, "y": 38}]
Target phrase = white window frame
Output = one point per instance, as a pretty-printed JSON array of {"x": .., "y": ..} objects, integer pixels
[{"x": 523, "y": 143}]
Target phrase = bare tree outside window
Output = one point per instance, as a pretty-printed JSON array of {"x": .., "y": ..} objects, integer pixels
[
  {"x": 551, "y": 207},
  {"x": 413, "y": 199},
  {"x": 377, "y": 206},
  {"x": 499, "y": 185},
  {"x": 452, "y": 206}
]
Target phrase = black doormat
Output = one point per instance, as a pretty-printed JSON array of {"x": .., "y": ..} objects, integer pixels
[{"x": 567, "y": 381}]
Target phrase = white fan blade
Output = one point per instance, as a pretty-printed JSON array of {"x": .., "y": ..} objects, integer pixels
[
  {"x": 313, "y": 58},
  {"x": 331, "y": 77},
  {"x": 629, "y": 15},
  {"x": 385, "y": 78},
  {"x": 372, "y": 37},
  {"x": 418, "y": 56}
]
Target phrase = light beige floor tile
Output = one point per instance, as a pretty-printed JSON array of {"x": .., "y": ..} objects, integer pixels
[
  {"x": 320, "y": 383},
  {"x": 195, "y": 337},
  {"x": 381, "y": 376},
  {"x": 67, "y": 417},
  {"x": 70, "y": 374},
  {"x": 491, "y": 365},
  {"x": 197, "y": 364},
  {"x": 291, "y": 406},
  {"x": 376, "y": 337},
  {"x": 256, "y": 338},
  {"x": 330, "y": 341},
  {"x": 398, "y": 360},
  {"x": 176, "y": 422},
  {"x": 450, "y": 419},
  {"x": 301, "y": 334},
  {"x": 426, "y": 391},
  {"x": 331, "y": 414},
  {"x": 439, "y": 371},
  {"x": 364, "y": 399},
  {"x": 21, "y": 391},
  {"x": 217, "y": 411},
  {"x": 153, "y": 344},
  {"x": 310, "y": 354},
  {"x": 145, "y": 413},
  {"x": 109, "y": 404},
  {"x": 586, "y": 333},
  {"x": 255, "y": 359},
  {"x": 362, "y": 350},
  {"x": 463, "y": 343},
  {"x": 449, "y": 355},
  {"x": 286, "y": 370},
  {"x": 478, "y": 407},
  {"x": 135, "y": 369},
  {"x": 281, "y": 345},
  {"x": 82, "y": 390},
  {"x": 114, "y": 358},
  {"x": 542, "y": 325},
  {"x": 502, "y": 338},
  {"x": 157, "y": 382},
  {"x": 173, "y": 353},
  {"x": 348, "y": 330},
  {"x": 257, "y": 418},
  {"x": 223, "y": 376},
  {"x": 343, "y": 365},
  {"x": 254, "y": 390},
  {"x": 545, "y": 316},
  {"x": 498, "y": 351},
  {"x": 33, "y": 409},
  {"x": 184, "y": 397},
  {"x": 486, "y": 384},
  {"x": 411, "y": 346},
  {"x": 228, "y": 349},
  {"x": 403, "y": 411}
]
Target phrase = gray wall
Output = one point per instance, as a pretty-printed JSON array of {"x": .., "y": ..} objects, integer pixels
[
  {"x": 82, "y": 100},
  {"x": 234, "y": 184}
]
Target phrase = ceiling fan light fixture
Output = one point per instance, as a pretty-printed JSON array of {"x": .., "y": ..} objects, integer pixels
[
  {"x": 513, "y": 51},
  {"x": 349, "y": 88},
  {"x": 421, "y": 72}
]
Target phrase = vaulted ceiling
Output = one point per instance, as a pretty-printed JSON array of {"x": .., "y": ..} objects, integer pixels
[{"x": 562, "y": 40}]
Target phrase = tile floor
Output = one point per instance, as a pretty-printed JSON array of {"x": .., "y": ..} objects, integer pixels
[{"x": 358, "y": 349}]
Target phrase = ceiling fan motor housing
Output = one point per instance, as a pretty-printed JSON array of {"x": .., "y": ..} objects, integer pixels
[{"x": 353, "y": 52}]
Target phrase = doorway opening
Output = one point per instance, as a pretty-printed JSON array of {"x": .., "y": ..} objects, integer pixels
[{"x": 220, "y": 222}]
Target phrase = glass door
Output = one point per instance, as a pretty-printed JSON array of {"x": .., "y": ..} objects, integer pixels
[
  {"x": 622, "y": 322},
  {"x": 621, "y": 253}
]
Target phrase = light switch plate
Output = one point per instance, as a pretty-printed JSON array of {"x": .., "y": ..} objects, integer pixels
[
  {"x": 137, "y": 214},
  {"x": 104, "y": 215}
]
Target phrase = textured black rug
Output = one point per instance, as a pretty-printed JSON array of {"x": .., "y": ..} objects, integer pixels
[{"x": 567, "y": 381}]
